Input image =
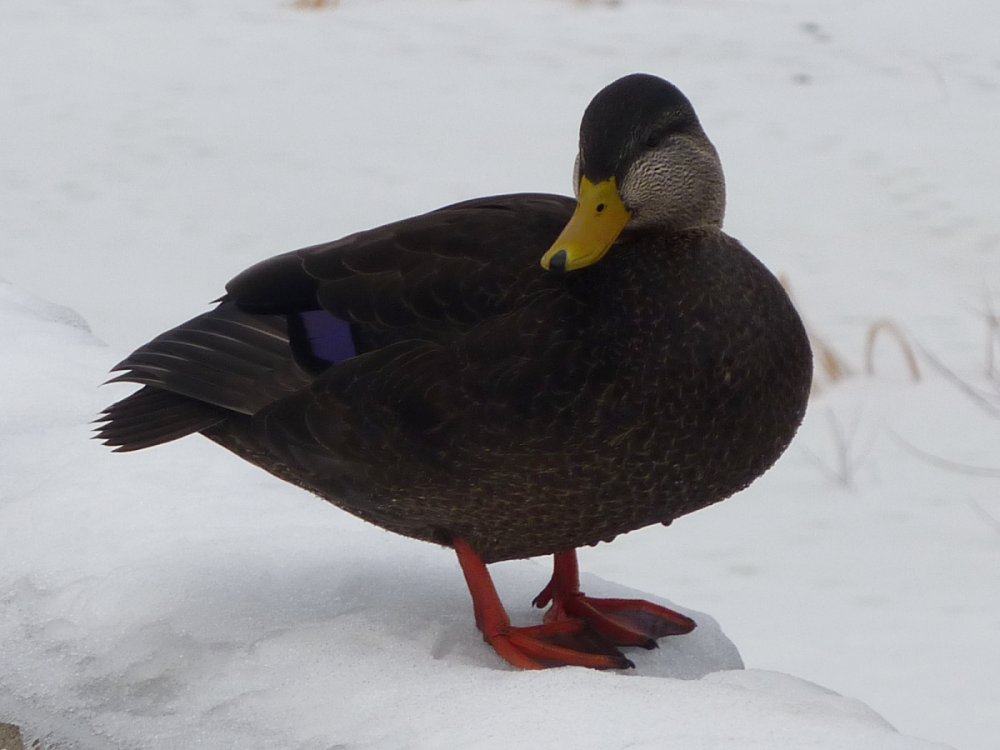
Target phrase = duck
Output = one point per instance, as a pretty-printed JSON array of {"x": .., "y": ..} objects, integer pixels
[{"x": 510, "y": 376}]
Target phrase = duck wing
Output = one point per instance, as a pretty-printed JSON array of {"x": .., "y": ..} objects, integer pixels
[
  {"x": 353, "y": 310},
  {"x": 430, "y": 277}
]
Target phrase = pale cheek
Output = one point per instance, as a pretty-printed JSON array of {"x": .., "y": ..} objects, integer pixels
[{"x": 657, "y": 194}]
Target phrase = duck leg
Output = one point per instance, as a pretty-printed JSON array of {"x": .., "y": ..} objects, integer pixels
[
  {"x": 566, "y": 642},
  {"x": 625, "y": 622}
]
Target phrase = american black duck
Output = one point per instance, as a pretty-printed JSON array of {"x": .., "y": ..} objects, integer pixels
[{"x": 510, "y": 376}]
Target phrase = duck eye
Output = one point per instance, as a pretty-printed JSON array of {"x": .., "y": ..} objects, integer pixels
[
  {"x": 600, "y": 208},
  {"x": 654, "y": 140}
]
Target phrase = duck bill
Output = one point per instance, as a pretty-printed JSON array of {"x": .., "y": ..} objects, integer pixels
[{"x": 599, "y": 218}]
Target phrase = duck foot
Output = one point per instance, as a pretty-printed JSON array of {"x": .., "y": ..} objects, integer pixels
[
  {"x": 566, "y": 642},
  {"x": 624, "y": 622}
]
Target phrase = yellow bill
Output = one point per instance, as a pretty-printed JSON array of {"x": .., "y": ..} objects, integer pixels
[{"x": 599, "y": 218}]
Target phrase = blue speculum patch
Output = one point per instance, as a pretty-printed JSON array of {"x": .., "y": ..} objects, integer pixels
[{"x": 329, "y": 337}]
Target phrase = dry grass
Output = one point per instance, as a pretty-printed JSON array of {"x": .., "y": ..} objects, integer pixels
[
  {"x": 831, "y": 366},
  {"x": 841, "y": 464},
  {"x": 847, "y": 456},
  {"x": 992, "y": 320},
  {"x": 944, "y": 463},
  {"x": 890, "y": 328},
  {"x": 315, "y": 4},
  {"x": 828, "y": 363},
  {"x": 987, "y": 399}
]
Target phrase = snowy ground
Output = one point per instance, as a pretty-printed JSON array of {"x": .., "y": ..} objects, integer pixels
[{"x": 152, "y": 149}]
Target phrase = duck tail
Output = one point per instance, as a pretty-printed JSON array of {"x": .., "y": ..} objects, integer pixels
[
  {"x": 220, "y": 364},
  {"x": 151, "y": 416}
]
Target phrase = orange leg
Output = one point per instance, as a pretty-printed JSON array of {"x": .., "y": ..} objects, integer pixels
[
  {"x": 625, "y": 622},
  {"x": 565, "y": 642}
]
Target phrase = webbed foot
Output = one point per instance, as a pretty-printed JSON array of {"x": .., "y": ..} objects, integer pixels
[
  {"x": 624, "y": 622},
  {"x": 563, "y": 642}
]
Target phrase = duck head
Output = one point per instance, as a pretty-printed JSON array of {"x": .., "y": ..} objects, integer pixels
[{"x": 644, "y": 164}]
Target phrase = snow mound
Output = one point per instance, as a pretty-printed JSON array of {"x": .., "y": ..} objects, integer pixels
[{"x": 181, "y": 599}]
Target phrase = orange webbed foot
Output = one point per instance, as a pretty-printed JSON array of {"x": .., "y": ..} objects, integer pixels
[
  {"x": 556, "y": 643},
  {"x": 625, "y": 622}
]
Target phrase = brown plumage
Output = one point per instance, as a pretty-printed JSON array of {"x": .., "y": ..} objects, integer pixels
[{"x": 428, "y": 376}]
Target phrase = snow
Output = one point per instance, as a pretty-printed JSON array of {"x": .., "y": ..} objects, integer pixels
[{"x": 180, "y": 598}]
